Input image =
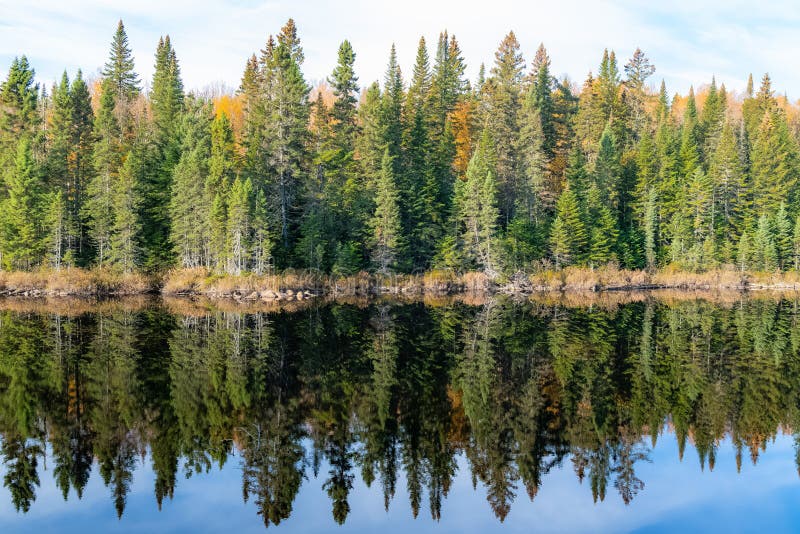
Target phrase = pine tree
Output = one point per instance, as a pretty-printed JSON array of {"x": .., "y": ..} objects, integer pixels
[
  {"x": 285, "y": 136},
  {"x": 18, "y": 109},
  {"x": 500, "y": 100},
  {"x": 107, "y": 159},
  {"x": 387, "y": 240},
  {"x": 477, "y": 209},
  {"x": 764, "y": 253},
  {"x": 638, "y": 70},
  {"x": 22, "y": 240},
  {"x": 119, "y": 69},
  {"x": 239, "y": 226},
  {"x": 124, "y": 251},
  {"x": 651, "y": 229},
  {"x": 783, "y": 237},
  {"x": 568, "y": 236},
  {"x": 774, "y": 160},
  {"x": 166, "y": 100},
  {"x": 689, "y": 151},
  {"x": 730, "y": 189},
  {"x": 602, "y": 229},
  {"x": 190, "y": 203}
]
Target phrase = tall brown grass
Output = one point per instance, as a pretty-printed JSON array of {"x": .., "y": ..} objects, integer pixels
[{"x": 75, "y": 282}]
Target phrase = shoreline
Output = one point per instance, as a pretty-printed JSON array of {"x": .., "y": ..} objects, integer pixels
[{"x": 301, "y": 285}]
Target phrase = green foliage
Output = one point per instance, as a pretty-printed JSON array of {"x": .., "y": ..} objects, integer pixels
[
  {"x": 387, "y": 240},
  {"x": 500, "y": 176}
]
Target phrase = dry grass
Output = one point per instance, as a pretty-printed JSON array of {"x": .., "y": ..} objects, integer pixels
[{"x": 74, "y": 282}]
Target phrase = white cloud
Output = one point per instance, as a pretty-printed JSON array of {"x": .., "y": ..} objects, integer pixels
[{"x": 687, "y": 40}]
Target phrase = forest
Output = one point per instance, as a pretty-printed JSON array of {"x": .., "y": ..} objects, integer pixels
[{"x": 515, "y": 171}]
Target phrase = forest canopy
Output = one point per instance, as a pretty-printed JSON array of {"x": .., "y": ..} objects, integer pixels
[{"x": 514, "y": 171}]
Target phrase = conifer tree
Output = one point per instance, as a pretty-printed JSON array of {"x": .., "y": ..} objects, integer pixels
[
  {"x": 285, "y": 135},
  {"x": 190, "y": 205},
  {"x": 689, "y": 150},
  {"x": 18, "y": 109},
  {"x": 239, "y": 225},
  {"x": 533, "y": 162},
  {"x": 796, "y": 243},
  {"x": 603, "y": 229},
  {"x": 107, "y": 159},
  {"x": 774, "y": 163},
  {"x": 501, "y": 97},
  {"x": 124, "y": 251},
  {"x": 477, "y": 209},
  {"x": 765, "y": 255},
  {"x": 607, "y": 172},
  {"x": 651, "y": 229},
  {"x": 392, "y": 108},
  {"x": 22, "y": 235},
  {"x": 727, "y": 175},
  {"x": 638, "y": 70},
  {"x": 166, "y": 100},
  {"x": 783, "y": 237},
  {"x": 386, "y": 241},
  {"x": 568, "y": 237},
  {"x": 119, "y": 69}
]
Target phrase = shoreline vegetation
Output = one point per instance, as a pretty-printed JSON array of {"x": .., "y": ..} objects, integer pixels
[{"x": 302, "y": 285}]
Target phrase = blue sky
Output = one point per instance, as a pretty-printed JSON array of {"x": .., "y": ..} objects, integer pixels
[
  {"x": 688, "y": 40},
  {"x": 762, "y": 498}
]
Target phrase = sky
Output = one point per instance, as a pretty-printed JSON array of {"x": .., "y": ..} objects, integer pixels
[{"x": 687, "y": 40}]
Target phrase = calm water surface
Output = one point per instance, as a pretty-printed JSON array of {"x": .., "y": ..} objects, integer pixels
[{"x": 651, "y": 415}]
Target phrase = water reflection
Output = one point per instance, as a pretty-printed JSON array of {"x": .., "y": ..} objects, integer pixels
[{"x": 391, "y": 394}]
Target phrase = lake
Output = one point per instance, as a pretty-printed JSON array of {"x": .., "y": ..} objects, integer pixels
[{"x": 601, "y": 413}]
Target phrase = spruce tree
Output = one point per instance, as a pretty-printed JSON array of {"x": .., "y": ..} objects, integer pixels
[
  {"x": 166, "y": 100},
  {"x": 386, "y": 240},
  {"x": 726, "y": 172},
  {"x": 22, "y": 236},
  {"x": 765, "y": 254},
  {"x": 478, "y": 211},
  {"x": 391, "y": 111},
  {"x": 501, "y": 97},
  {"x": 774, "y": 161},
  {"x": 689, "y": 150},
  {"x": 638, "y": 70},
  {"x": 783, "y": 237},
  {"x": 18, "y": 109},
  {"x": 124, "y": 251},
  {"x": 651, "y": 229},
  {"x": 190, "y": 203},
  {"x": 568, "y": 236},
  {"x": 285, "y": 137},
  {"x": 602, "y": 229},
  {"x": 107, "y": 159},
  {"x": 119, "y": 69},
  {"x": 239, "y": 226}
]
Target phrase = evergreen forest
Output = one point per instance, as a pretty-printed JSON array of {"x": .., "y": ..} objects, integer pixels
[{"x": 515, "y": 171}]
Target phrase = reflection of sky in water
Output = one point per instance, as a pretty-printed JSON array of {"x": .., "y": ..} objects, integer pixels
[{"x": 676, "y": 495}]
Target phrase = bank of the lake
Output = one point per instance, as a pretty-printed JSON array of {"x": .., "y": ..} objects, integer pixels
[{"x": 301, "y": 285}]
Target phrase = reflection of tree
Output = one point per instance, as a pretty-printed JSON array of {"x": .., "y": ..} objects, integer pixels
[
  {"x": 390, "y": 391},
  {"x": 115, "y": 412},
  {"x": 272, "y": 467},
  {"x": 21, "y": 477}
]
